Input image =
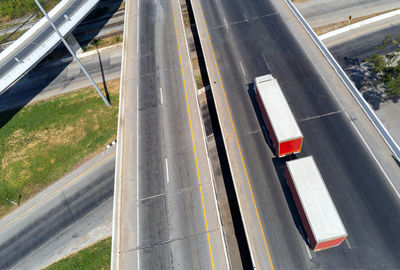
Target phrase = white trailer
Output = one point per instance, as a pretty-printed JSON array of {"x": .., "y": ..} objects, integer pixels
[
  {"x": 317, "y": 211},
  {"x": 278, "y": 117}
]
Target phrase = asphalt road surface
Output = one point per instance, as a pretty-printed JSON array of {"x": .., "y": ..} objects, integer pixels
[
  {"x": 41, "y": 219},
  {"x": 352, "y": 49},
  {"x": 168, "y": 217},
  {"x": 251, "y": 39}
]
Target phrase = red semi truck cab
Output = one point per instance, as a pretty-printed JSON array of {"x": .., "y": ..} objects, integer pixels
[
  {"x": 282, "y": 127},
  {"x": 314, "y": 204}
]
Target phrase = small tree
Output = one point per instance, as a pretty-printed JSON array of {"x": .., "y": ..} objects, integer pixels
[
  {"x": 377, "y": 62},
  {"x": 393, "y": 87}
]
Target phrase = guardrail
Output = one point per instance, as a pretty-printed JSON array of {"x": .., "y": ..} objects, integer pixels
[
  {"x": 350, "y": 86},
  {"x": 24, "y": 65}
]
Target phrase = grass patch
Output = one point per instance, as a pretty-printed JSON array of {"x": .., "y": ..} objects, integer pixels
[
  {"x": 7, "y": 37},
  {"x": 12, "y": 9},
  {"x": 97, "y": 256},
  {"x": 43, "y": 141},
  {"x": 102, "y": 43}
]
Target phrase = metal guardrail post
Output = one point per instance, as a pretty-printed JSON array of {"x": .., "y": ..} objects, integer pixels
[
  {"x": 73, "y": 53},
  {"x": 350, "y": 86}
]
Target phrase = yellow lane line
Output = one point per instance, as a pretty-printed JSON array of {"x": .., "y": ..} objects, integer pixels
[
  {"x": 237, "y": 140},
  {"x": 362, "y": 32},
  {"x": 194, "y": 146},
  {"x": 53, "y": 193}
]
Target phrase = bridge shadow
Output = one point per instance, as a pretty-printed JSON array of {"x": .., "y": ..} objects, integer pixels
[{"x": 54, "y": 64}]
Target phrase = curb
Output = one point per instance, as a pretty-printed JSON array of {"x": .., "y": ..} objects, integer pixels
[{"x": 359, "y": 24}]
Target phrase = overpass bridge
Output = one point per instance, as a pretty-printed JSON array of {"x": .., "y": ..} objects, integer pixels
[{"x": 23, "y": 54}]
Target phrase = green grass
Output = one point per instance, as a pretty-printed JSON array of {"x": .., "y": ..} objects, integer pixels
[
  {"x": 7, "y": 38},
  {"x": 12, "y": 9},
  {"x": 95, "y": 257},
  {"x": 43, "y": 141}
]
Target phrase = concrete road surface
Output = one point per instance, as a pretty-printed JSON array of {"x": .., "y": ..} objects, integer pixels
[
  {"x": 323, "y": 12},
  {"x": 246, "y": 39},
  {"x": 165, "y": 209}
]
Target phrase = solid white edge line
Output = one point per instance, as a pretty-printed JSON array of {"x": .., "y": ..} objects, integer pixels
[
  {"x": 377, "y": 161},
  {"x": 222, "y": 232},
  {"x": 137, "y": 178}
]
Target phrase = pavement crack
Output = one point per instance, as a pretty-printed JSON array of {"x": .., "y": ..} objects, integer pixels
[
  {"x": 320, "y": 116},
  {"x": 165, "y": 242},
  {"x": 172, "y": 193}
]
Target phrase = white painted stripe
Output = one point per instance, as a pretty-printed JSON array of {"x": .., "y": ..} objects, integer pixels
[
  {"x": 166, "y": 169},
  {"x": 308, "y": 250},
  {"x": 266, "y": 63},
  {"x": 246, "y": 20},
  {"x": 137, "y": 178},
  {"x": 348, "y": 244},
  {"x": 241, "y": 66},
  {"x": 161, "y": 96},
  {"x": 226, "y": 24},
  {"x": 377, "y": 162},
  {"x": 137, "y": 30}
]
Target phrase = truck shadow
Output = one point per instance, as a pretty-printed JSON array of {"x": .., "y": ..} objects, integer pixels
[
  {"x": 252, "y": 94},
  {"x": 280, "y": 165}
]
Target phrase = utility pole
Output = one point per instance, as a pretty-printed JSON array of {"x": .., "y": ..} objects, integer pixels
[{"x": 72, "y": 53}]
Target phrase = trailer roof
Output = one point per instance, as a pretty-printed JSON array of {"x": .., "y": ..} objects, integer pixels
[
  {"x": 278, "y": 110},
  {"x": 318, "y": 206}
]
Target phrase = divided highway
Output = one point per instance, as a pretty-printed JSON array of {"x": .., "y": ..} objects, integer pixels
[
  {"x": 165, "y": 214},
  {"x": 245, "y": 39}
]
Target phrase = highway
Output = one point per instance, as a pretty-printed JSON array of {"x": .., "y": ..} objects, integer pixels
[
  {"x": 27, "y": 232},
  {"x": 26, "y": 51},
  {"x": 165, "y": 214},
  {"x": 252, "y": 38}
]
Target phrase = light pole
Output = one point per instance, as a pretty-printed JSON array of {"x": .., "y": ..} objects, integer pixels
[{"x": 72, "y": 53}]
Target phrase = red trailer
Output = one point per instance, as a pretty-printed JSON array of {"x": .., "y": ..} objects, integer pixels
[
  {"x": 317, "y": 211},
  {"x": 282, "y": 127}
]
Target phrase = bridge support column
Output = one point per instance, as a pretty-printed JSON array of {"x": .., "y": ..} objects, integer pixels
[{"x": 70, "y": 38}]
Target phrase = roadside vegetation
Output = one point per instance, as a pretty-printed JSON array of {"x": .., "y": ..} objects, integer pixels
[
  {"x": 7, "y": 37},
  {"x": 13, "y": 9},
  {"x": 386, "y": 65},
  {"x": 95, "y": 257},
  {"x": 41, "y": 142},
  {"x": 102, "y": 43}
]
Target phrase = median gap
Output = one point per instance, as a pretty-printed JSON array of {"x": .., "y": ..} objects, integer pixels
[{"x": 235, "y": 237}]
